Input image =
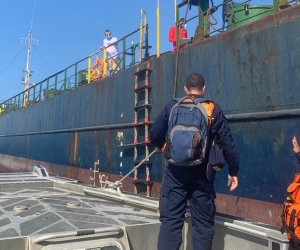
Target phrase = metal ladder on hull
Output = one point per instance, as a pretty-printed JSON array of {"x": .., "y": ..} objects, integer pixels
[
  {"x": 139, "y": 125},
  {"x": 141, "y": 132}
]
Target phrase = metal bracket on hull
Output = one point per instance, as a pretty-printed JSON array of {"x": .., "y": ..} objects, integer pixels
[
  {"x": 118, "y": 184},
  {"x": 93, "y": 178}
]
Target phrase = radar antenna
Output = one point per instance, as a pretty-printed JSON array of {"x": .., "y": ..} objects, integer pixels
[{"x": 29, "y": 41}]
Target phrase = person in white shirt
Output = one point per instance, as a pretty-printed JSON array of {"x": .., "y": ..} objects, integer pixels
[{"x": 111, "y": 44}]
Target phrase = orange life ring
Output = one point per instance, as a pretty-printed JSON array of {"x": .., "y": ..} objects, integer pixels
[{"x": 97, "y": 71}]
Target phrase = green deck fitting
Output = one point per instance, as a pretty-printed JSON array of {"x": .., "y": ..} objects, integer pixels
[
  {"x": 51, "y": 92},
  {"x": 242, "y": 14}
]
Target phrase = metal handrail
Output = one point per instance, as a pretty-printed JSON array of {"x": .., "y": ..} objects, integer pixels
[
  {"x": 63, "y": 80},
  {"x": 111, "y": 230},
  {"x": 67, "y": 78},
  {"x": 297, "y": 2}
]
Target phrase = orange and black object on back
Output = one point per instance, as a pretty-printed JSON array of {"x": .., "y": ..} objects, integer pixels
[{"x": 291, "y": 212}]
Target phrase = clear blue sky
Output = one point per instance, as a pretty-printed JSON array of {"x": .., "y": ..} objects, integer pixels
[{"x": 71, "y": 30}]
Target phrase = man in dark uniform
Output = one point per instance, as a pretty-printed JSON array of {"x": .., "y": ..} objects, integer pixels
[{"x": 191, "y": 183}]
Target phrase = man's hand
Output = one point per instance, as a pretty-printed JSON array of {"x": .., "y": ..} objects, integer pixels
[
  {"x": 296, "y": 145},
  {"x": 232, "y": 182}
]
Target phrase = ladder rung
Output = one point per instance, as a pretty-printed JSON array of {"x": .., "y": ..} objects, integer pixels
[
  {"x": 142, "y": 106},
  {"x": 142, "y": 123},
  {"x": 141, "y": 72},
  {"x": 141, "y": 88},
  {"x": 142, "y": 182}
]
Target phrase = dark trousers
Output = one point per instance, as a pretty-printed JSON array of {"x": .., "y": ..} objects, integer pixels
[{"x": 179, "y": 185}]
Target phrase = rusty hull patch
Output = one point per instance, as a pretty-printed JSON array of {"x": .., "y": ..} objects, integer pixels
[{"x": 256, "y": 210}]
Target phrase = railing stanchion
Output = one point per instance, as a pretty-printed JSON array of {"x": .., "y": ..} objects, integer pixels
[
  {"x": 104, "y": 62},
  {"x": 124, "y": 54},
  {"x": 55, "y": 83},
  {"x": 40, "y": 91},
  {"x": 65, "y": 79},
  {"x": 76, "y": 79},
  {"x": 89, "y": 68}
]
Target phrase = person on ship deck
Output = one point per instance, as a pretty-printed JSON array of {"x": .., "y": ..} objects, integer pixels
[
  {"x": 113, "y": 59},
  {"x": 182, "y": 33}
]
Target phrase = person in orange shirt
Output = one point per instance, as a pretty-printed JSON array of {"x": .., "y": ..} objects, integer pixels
[{"x": 182, "y": 33}]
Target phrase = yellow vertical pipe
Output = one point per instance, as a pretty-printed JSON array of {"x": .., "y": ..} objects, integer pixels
[
  {"x": 158, "y": 29},
  {"x": 89, "y": 69},
  {"x": 104, "y": 62}
]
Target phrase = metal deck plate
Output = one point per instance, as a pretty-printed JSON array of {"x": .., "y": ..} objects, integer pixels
[{"x": 48, "y": 210}]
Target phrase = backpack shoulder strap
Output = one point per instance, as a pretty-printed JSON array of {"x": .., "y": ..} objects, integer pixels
[{"x": 209, "y": 107}]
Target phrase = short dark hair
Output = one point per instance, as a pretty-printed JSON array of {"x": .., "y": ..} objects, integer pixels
[
  {"x": 181, "y": 20},
  {"x": 195, "y": 81},
  {"x": 107, "y": 31}
]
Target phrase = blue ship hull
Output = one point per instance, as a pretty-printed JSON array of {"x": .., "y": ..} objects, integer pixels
[{"x": 253, "y": 72}]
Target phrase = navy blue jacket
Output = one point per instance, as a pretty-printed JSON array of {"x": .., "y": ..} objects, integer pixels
[
  {"x": 220, "y": 127},
  {"x": 298, "y": 157}
]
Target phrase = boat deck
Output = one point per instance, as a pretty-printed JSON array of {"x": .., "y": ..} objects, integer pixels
[
  {"x": 44, "y": 209},
  {"x": 41, "y": 212}
]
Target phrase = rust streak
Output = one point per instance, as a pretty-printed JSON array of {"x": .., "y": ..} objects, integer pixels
[
  {"x": 75, "y": 148},
  {"x": 269, "y": 56}
]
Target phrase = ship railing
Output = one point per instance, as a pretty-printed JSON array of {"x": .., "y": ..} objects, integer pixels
[
  {"x": 88, "y": 70},
  {"x": 83, "y": 72},
  {"x": 233, "y": 15},
  {"x": 129, "y": 54}
]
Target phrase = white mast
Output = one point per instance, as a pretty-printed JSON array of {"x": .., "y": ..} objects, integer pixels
[{"x": 29, "y": 41}]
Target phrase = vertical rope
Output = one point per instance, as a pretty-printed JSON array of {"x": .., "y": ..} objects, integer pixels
[{"x": 177, "y": 53}]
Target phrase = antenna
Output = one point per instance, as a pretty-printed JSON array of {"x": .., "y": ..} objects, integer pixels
[
  {"x": 32, "y": 16},
  {"x": 28, "y": 41}
]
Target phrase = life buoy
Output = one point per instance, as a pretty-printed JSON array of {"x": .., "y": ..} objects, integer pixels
[{"x": 97, "y": 71}]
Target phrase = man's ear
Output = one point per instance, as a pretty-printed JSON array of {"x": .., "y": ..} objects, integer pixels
[
  {"x": 186, "y": 90},
  {"x": 204, "y": 89}
]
